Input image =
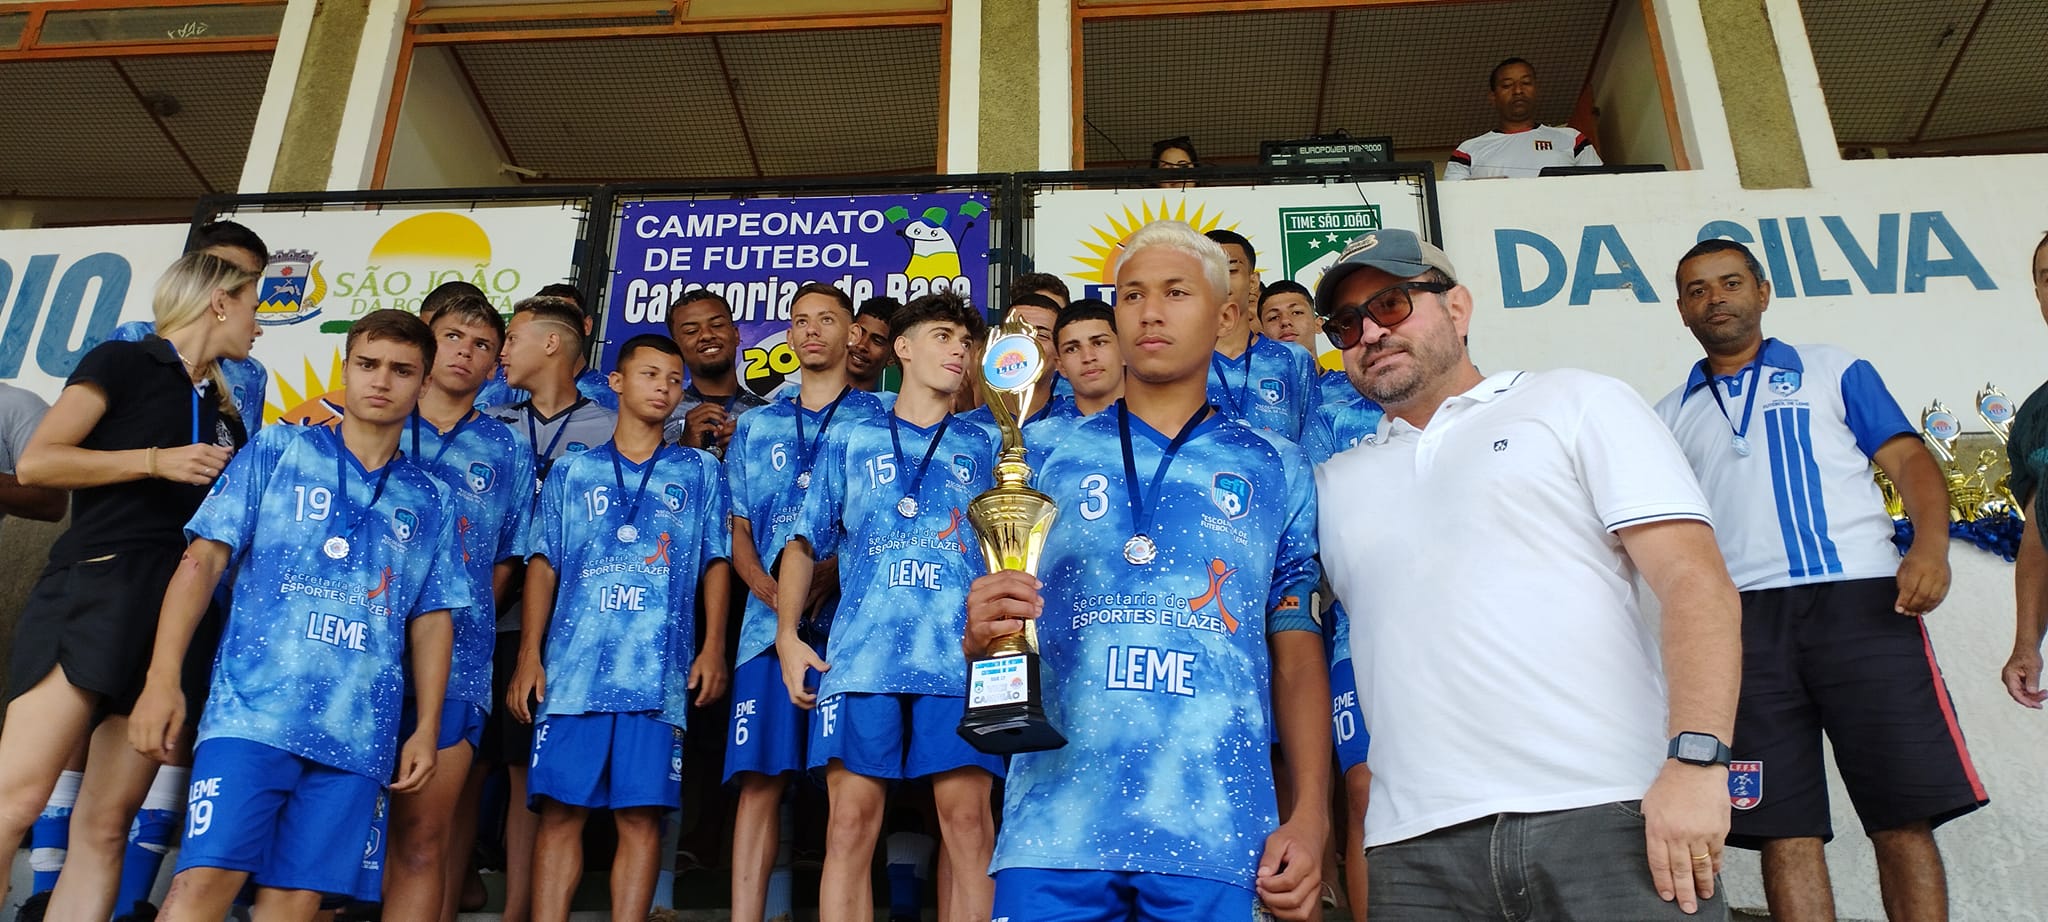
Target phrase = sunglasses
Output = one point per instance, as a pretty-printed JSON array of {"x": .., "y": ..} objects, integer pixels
[{"x": 1388, "y": 308}]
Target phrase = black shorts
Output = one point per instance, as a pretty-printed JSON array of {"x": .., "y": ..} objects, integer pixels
[
  {"x": 97, "y": 619},
  {"x": 1836, "y": 658},
  {"x": 506, "y": 741}
]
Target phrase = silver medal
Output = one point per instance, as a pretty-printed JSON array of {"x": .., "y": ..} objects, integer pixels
[
  {"x": 803, "y": 480},
  {"x": 336, "y": 547},
  {"x": 907, "y": 507},
  {"x": 1741, "y": 446},
  {"x": 1140, "y": 550},
  {"x": 628, "y": 534}
]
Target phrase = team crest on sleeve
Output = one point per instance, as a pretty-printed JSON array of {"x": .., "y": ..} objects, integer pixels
[
  {"x": 1231, "y": 493},
  {"x": 1745, "y": 784},
  {"x": 674, "y": 497},
  {"x": 481, "y": 477},
  {"x": 403, "y": 523},
  {"x": 964, "y": 469},
  {"x": 1784, "y": 381},
  {"x": 1270, "y": 391}
]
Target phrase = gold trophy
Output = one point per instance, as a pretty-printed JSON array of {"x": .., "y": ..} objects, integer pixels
[
  {"x": 1941, "y": 429},
  {"x": 1997, "y": 411},
  {"x": 1005, "y": 710}
]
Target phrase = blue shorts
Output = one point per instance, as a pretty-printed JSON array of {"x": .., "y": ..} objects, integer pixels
[
  {"x": 290, "y": 822},
  {"x": 370, "y": 877},
  {"x": 767, "y": 730},
  {"x": 606, "y": 761},
  {"x": 461, "y": 722},
  {"x": 1347, "y": 721},
  {"x": 894, "y": 736},
  {"x": 1040, "y": 895}
]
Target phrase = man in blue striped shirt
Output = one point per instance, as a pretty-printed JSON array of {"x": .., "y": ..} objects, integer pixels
[{"x": 1782, "y": 438}]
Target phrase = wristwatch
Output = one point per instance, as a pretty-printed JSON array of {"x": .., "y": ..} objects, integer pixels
[{"x": 1699, "y": 749}]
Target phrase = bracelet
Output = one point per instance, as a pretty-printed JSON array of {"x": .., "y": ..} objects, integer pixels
[{"x": 152, "y": 462}]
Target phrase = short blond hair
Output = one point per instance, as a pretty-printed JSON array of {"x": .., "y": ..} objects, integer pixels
[{"x": 1182, "y": 238}]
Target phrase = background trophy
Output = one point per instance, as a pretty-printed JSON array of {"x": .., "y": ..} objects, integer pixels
[
  {"x": 1005, "y": 701},
  {"x": 1940, "y": 427}
]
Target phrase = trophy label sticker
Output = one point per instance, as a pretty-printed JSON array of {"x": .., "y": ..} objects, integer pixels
[
  {"x": 1012, "y": 361},
  {"x": 1996, "y": 408},
  {"x": 999, "y": 681},
  {"x": 1943, "y": 425}
]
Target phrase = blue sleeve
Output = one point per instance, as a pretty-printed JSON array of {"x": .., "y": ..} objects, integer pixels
[
  {"x": 545, "y": 539},
  {"x": 229, "y": 513},
  {"x": 134, "y": 331},
  {"x": 514, "y": 534},
  {"x": 447, "y": 585},
  {"x": 717, "y": 522},
  {"x": 1305, "y": 384},
  {"x": 597, "y": 386},
  {"x": 1873, "y": 416},
  {"x": 1318, "y": 438},
  {"x": 1295, "y": 570},
  {"x": 825, "y": 501},
  {"x": 739, "y": 460}
]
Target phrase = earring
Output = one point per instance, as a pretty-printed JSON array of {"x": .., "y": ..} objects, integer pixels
[{"x": 221, "y": 318}]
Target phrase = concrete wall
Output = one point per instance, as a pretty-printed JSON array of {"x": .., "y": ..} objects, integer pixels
[
  {"x": 1628, "y": 95},
  {"x": 443, "y": 141}
]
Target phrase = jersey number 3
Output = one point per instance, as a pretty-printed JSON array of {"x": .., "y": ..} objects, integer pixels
[{"x": 1094, "y": 496}]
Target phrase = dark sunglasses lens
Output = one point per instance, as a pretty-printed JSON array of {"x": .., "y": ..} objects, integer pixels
[{"x": 1343, "y": 330}]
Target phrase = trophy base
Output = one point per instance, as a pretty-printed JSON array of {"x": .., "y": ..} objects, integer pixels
[
  {"x": 1005, "y": 707},
  {"x": 1003, "y": 734}
]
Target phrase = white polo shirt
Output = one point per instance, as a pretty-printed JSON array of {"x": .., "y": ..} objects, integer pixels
[
  {"x": 1503, "y": 664},
  {"x": 1801, "y": 506},
  {"x": 1523, "y": 153}
]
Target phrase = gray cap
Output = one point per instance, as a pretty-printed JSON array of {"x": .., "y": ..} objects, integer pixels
[{"x": 1399, "y": 253}]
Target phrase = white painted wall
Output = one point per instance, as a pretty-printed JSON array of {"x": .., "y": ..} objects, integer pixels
[
  {"x": 369, "y": 93},
  {"x": 1628, "y": 95},
  {"x": 443, "y": 141},
  {"x": 963, "y": 88}
]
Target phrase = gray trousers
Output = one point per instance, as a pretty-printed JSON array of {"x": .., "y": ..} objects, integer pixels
[{"x": 1585, "y": 864}]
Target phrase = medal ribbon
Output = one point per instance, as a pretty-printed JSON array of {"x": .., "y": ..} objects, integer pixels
[
  {"x": 447, "y": 439},
  {"x": 1141, "y": 518},
  {"x": 1240, "y": 398},
  {"x": 810, "y": 447},
  {"x": 1755, "y": 373},
  {"x": 619, "y": 476},
  {"x": 342, "y": 503},
  {"x": 544, "y": 458},
  {"x": 902, "y": 462}
]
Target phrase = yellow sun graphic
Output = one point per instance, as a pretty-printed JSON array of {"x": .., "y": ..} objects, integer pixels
[
  {"x": 437, "y": 236},
  {"x": 1109, "y": 243},
  {"x": 315, "y": 402}
]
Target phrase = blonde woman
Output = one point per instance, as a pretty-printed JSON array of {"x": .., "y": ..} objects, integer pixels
[{"x": 138, "y": 435}]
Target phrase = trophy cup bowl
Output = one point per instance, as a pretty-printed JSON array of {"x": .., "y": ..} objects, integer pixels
[{"x": 1005, "y": 711}]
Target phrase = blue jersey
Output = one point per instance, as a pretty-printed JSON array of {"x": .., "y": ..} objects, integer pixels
[
  {"x": 628, "y": 543},
  {"x": 1341, "y": 426},
  {"x": 248, "y": 382},
  {"x": 1056, "y": 407},
  {"x": 1272, "y": 386},
  {"x": 592, "y": 383},
  {"x": 1045, "y": 433},
  {"x": 326, "y": 581},
  {"x": 1334, "y": 386},
  {"x": 1159, "y": 674},
  {"x": 763, "y": 461},
  {"x": 483, "y": 468},
  {"x": 902, "y": 580}
]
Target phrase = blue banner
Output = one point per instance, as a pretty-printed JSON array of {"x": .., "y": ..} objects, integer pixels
[{"x": 756, "y": 252}]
